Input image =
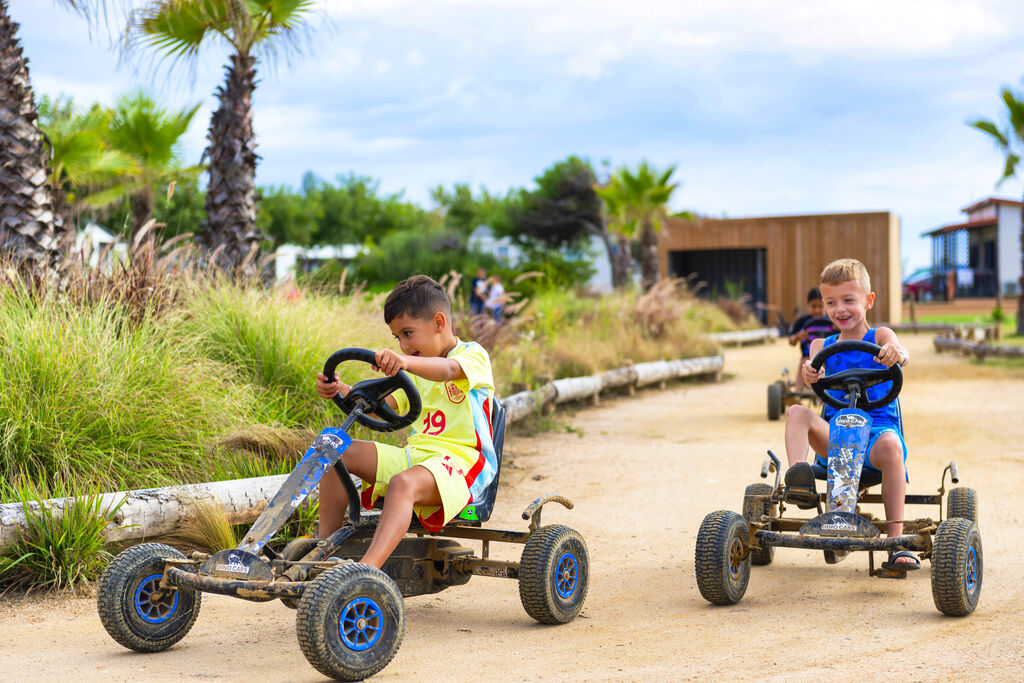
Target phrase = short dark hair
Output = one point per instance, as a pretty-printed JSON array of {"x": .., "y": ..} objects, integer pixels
[
  {"x": 814, "y": 295},
  {"x": 419, "y": 296}
]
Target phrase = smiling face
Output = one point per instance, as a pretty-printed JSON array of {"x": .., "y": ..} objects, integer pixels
[
  {"x": 847, "y": 304},
  {"x": 419, "y": 337}
]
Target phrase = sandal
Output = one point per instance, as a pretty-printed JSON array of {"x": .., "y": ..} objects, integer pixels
[
  {"x": 800, "y": 486},
  {"x": 892, "y": 565}
]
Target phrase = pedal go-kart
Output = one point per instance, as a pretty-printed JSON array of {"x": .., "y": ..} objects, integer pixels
[
  {"x": 729, "y": 543},
  {"x": 351, "y": 617},
  {"x": 782, "y": 392}
]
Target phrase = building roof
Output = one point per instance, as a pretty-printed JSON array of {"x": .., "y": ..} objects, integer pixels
[
  {"x": 990, "y": 200},
  {"x": 969, "y": 225}
]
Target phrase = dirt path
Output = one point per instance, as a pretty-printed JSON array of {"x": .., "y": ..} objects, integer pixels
[{"x": 643, "y": 472}]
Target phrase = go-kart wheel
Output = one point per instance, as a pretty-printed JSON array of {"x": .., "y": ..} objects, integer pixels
[
  {"x": 755, "y": 505},
  {"x": 351, "y": 621},
  {"x": 721, "y": 561},
  {"x": 554, "y": 574},
  {"x": 133, "y": 609},
  {"x": 962, "y": 502},
  {"x": 956, "y": 567},
  {"x": 296, "y": 549},
  {"x": 774, "y": 400}
]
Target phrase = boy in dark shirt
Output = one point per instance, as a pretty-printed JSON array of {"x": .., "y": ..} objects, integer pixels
[{"x": 808, "y": 327}]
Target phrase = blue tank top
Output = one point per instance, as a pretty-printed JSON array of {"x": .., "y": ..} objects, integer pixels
[{"x": 886, "y": 416}]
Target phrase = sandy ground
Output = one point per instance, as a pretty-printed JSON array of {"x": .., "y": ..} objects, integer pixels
[{"x": 643, "y": 472}]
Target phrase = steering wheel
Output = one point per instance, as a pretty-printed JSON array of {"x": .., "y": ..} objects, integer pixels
[
  {"x": 369, "y": 394},
  {"x": 862, "y": 378}
]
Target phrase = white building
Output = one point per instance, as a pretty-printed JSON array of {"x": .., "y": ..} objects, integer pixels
[
  {"x": 291, "y": 258},
  {"x": 482, "y": 239},
  {"x": 987, "y": 245},
  {"x": 92, "y": 241}
]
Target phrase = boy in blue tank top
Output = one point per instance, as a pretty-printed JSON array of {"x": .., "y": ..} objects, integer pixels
[{"x": 846, "y": 291}]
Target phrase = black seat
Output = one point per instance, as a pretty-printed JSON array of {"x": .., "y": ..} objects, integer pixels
[{"x": 868, "y": 477}]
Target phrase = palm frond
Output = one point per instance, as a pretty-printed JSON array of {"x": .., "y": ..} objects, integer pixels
[
  {"x": 1015, "y": 111},
  {"x": 1010, "y": 168},
  {"x": 986, "y": 126}
]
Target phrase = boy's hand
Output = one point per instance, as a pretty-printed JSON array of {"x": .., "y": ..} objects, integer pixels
[
  {"x": 811, "y": 376},
  {"x": 890, "y": 354},
  {"x": 331, "y": 389},
  {"x": 390, "y": 362}
]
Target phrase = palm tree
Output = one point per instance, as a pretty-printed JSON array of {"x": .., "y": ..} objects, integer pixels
[
  {"x": 638, "y": 201},
  {"x": 149, "y": 135},
  {"x": 1010, "y": 141},
  {"x": 84, "y": 171},
  {"x": 178, "y": 28},
  {"x": 619, "y": 224},
  {"x": 31, "y": 227}
]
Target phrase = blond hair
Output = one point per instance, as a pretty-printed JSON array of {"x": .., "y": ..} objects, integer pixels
[{"x": 844, "y": 270}]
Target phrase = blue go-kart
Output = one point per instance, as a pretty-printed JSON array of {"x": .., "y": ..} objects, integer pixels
[
  {"x": 350, "y": 616},
  {"x": 729, "y": 543}
]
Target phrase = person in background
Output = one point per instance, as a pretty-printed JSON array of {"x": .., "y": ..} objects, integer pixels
[
  {"x": 478, "y": 292},
  {"x": 495, "y": 298}
]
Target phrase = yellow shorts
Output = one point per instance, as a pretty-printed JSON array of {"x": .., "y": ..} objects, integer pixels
[{"x": 449, "y": 474}]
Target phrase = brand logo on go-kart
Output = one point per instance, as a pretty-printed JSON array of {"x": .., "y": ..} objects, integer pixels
[
  {"x": 326, "y": 440},
  {"x": 839, "y": 524},
  {"x": 234, "y": 565},
  {"x": 455, "y": 395},
  {"x": 850, "y": 420}
]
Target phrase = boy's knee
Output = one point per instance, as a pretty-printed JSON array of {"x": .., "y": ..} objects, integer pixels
[
  {"x": 402, "y": 485},
  {"x": 887, "y": 453},
  {"x": 798, "y": 412}
]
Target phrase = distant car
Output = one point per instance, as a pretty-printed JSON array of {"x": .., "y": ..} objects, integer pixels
[{"x": 918, "y": 285}]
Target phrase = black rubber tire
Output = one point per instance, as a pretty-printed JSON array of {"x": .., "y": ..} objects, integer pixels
[
  {"x": 296, "y": 549},
  {"x": 343, "y": 592},
  {"x": 121, "y": 600},
  {"x": 753, "y": 510},
  {"x": 962, "y": 502},
  {"x": 554, "y": 574},
  {"x": 721, "y": 579},
  {"x": 775, "y": 400},
  {"x": 957, "y": 567}
]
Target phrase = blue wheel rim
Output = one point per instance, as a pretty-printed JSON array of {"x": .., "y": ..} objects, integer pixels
[
  {"x": 972, "y": 568},
  {"x": 567, "y": 573},
  {"x": 154, "y": 612},
  {"x": 361, "y": 624}
]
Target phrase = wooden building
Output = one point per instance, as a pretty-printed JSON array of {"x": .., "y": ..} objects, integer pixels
[{"x": 777, "y": 259}]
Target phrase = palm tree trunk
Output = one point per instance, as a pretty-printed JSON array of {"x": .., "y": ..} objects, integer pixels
[
  {"x": 648, "y": 256},
  {"x": 618, "y": 277},
  {"x": 624, "y": 261},
  {"x": 230, "y": 234},
  {"x": 142, "y": 210},
  {"x": 32, "y": 233}
]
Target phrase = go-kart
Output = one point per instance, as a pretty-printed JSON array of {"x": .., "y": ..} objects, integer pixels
[
  {"x": 351, "y": 617},
  {"x": 728, "y": 543},
  {"x": 782, "y": 392}
]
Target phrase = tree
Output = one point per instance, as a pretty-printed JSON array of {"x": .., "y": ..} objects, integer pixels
[
  {"x": 149, "y": 135},
  {"x": 1010, "y": 141},
  {"x": 32, "y": 230},
  {"x": 638, "y": 201},
  {"x": 178, "y": 29},
  {"x": 563, "y": 210}
]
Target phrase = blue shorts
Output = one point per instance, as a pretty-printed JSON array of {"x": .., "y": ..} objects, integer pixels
[{"x": 872, "y": 438}]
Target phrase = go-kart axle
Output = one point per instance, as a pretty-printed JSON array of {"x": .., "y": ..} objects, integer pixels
[{"x": 915, "y": 542}]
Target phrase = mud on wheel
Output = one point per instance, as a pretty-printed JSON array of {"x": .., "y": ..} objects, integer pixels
[
  {"x": 554, "y": 574},
  {"x": 962, "y": 502},
  {"x": 957, "y": 567},
  {"x": 756, "y": 503},
  {"x": 722, "y": 562},
  {"x": 134, "y": 610},
  {"x": 351, "y": 622}
]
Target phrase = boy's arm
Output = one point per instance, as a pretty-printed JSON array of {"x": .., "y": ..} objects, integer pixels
[
  {"x": 434, "y": 369},
  {"x": 811, "y": 376},
  {"x": 892, "y": 351}
]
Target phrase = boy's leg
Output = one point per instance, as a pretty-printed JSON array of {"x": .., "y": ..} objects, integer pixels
[
  {"x": 360, "y": 459},
  {"x": 804, "y": 428},
  {"x": 414, "y": 486},
  {"x": 887, "y": 455}
]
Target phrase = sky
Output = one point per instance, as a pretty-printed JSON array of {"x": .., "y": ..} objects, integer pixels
[{"x": 765, "y": 108}]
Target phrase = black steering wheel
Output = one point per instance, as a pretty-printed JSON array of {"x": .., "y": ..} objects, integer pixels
[
  {"x": 369, "y": 394},
  {"x": 861, "y": 378}
]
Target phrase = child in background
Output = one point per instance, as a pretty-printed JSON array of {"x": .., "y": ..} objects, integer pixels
[{"x": 808, "y": 327}]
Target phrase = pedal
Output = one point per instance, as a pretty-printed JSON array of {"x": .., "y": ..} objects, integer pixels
[{"x": 890, "y": 574}]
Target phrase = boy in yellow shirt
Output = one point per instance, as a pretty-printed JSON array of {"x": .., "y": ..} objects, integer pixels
[{"x": 449, "y": 459}]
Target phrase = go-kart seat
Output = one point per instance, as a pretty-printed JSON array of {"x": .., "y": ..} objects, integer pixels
[
  {"x": 867, "y": 477},
  {"x": 479, "y": 512}
]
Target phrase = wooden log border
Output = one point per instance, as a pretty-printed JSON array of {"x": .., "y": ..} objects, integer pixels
[
  {"x": 980, "y": 350},
  {"x": 152, "y": 512}
]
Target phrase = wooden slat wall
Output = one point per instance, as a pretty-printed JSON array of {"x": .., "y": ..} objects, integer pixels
[{"x": 798, "y": 247}]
